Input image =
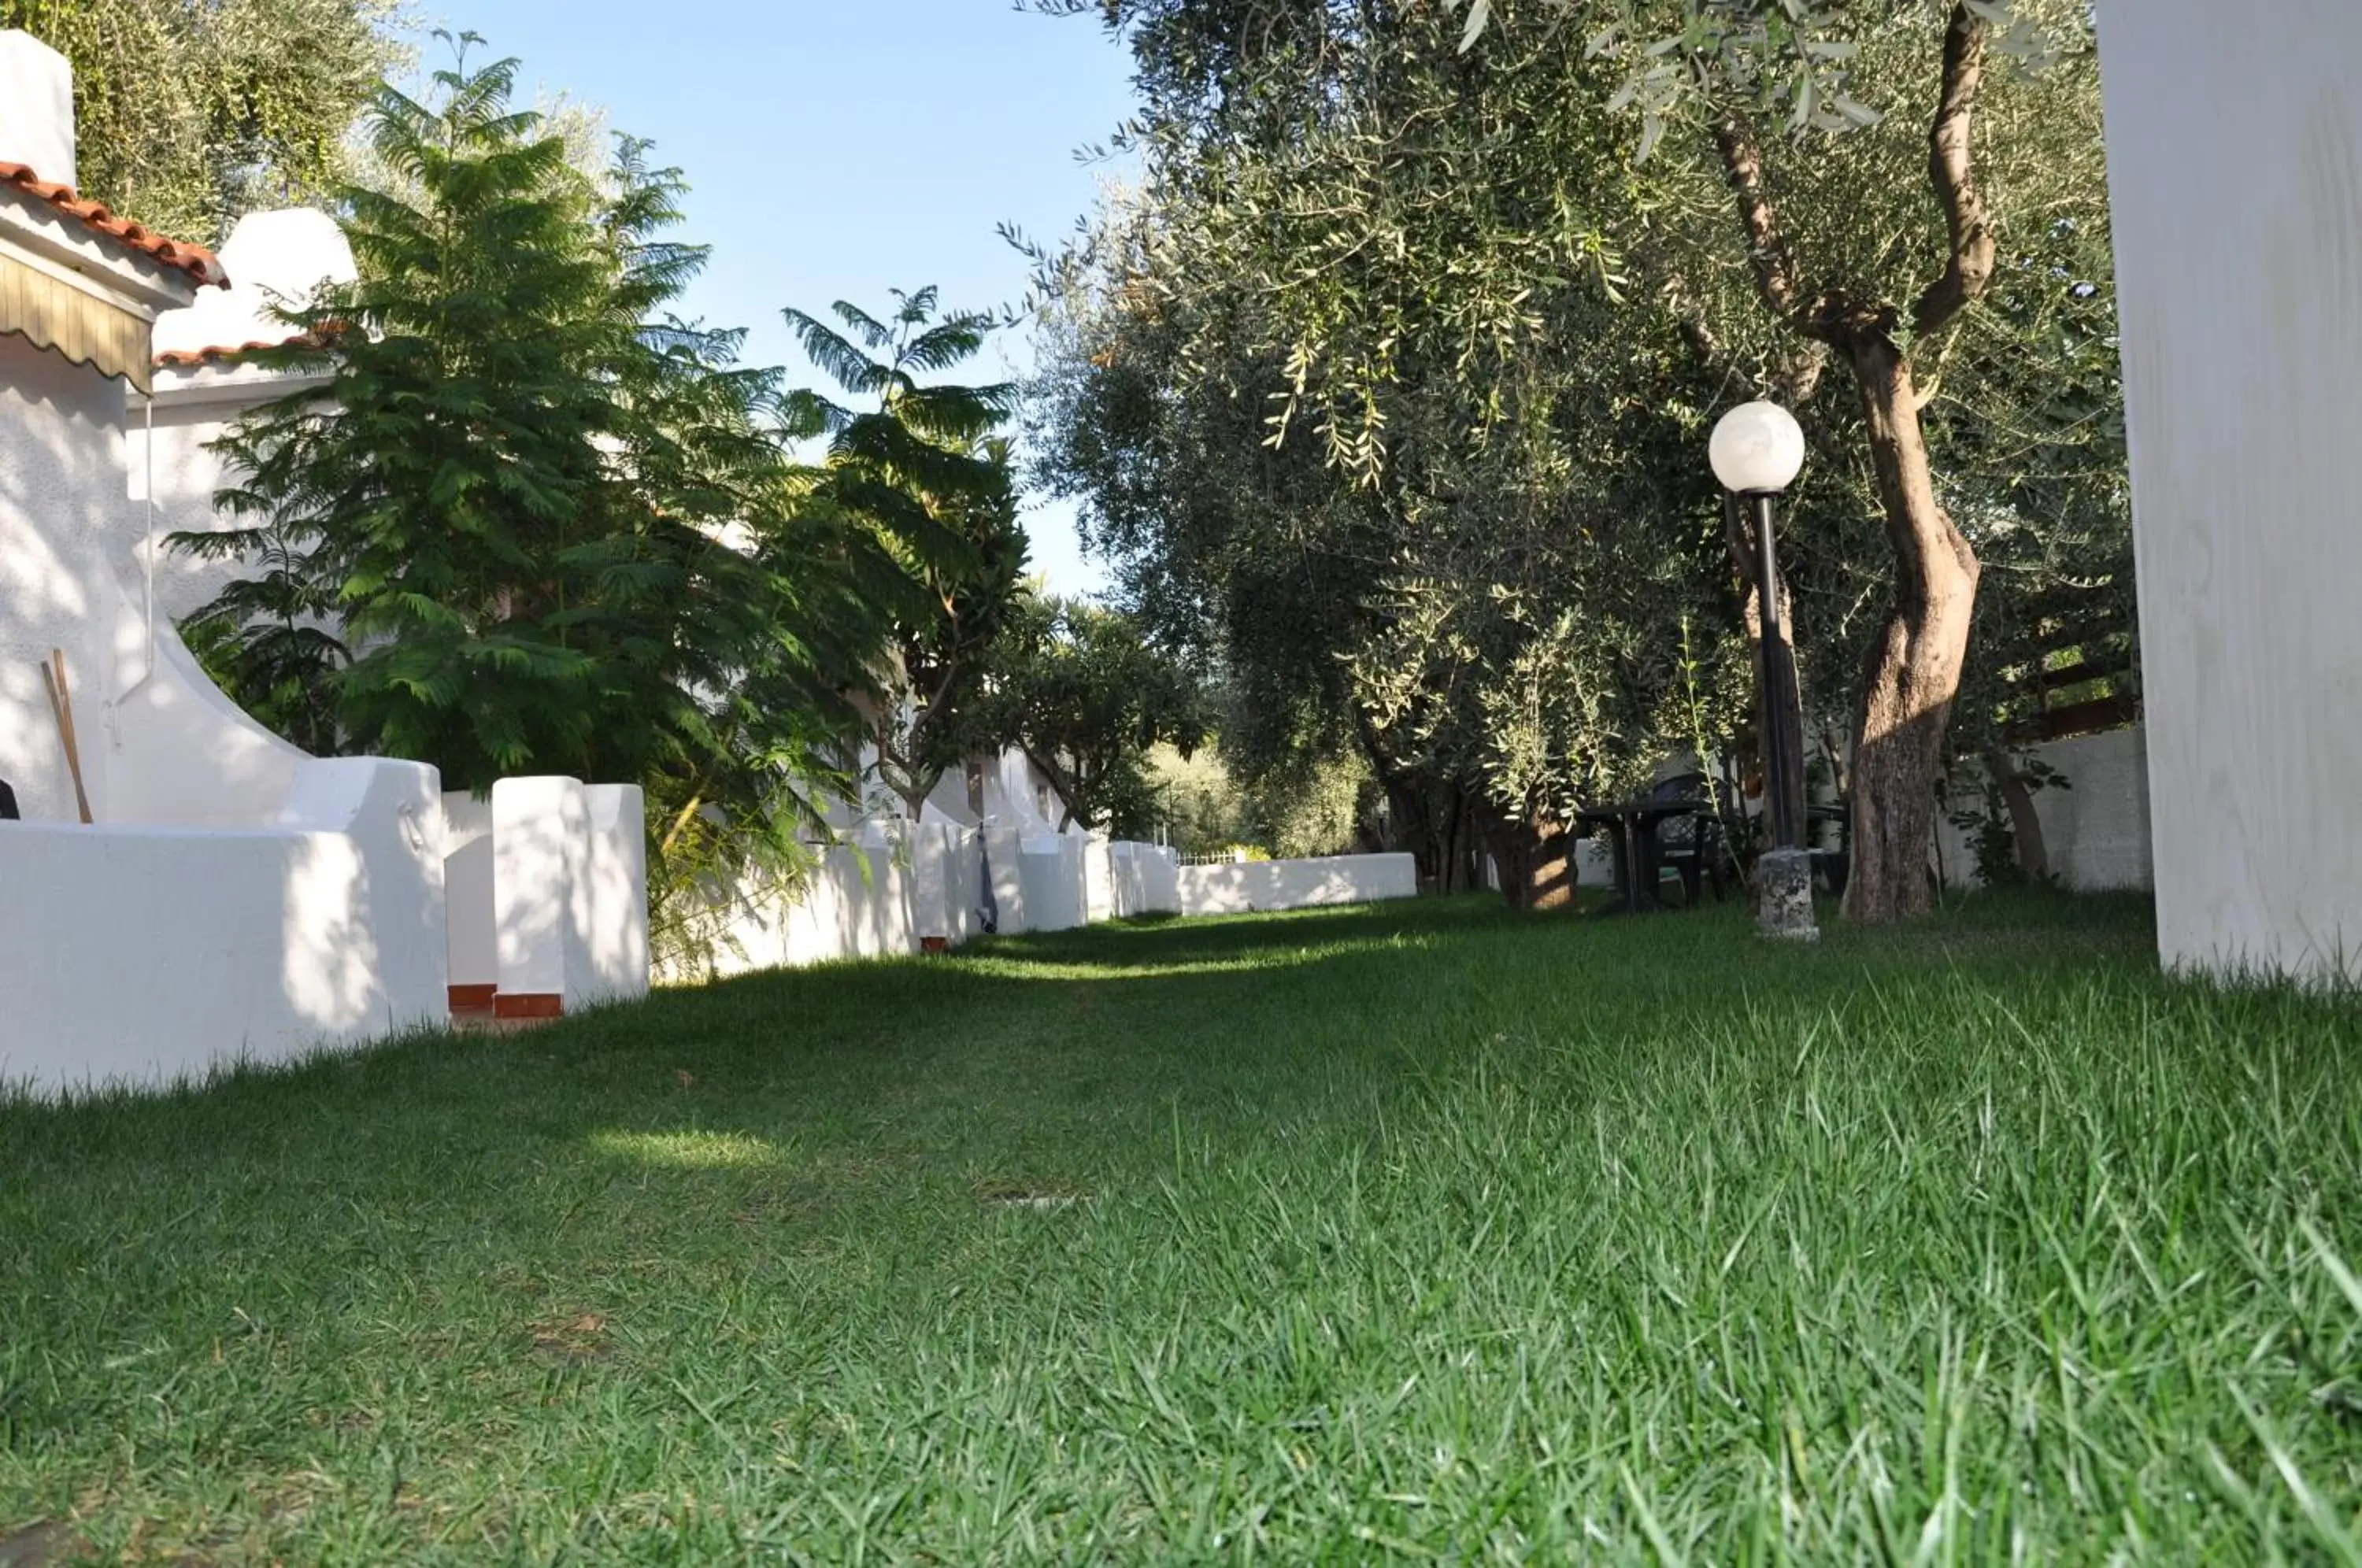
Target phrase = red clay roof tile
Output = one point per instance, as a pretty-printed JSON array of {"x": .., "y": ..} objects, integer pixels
[
  {"x": 224, "y": 353},
  {"x": 215, "y": 353},
  {"x": 194, "y": 259}
]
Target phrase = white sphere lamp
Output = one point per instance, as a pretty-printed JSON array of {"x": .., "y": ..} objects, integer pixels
[{"x": 1758, "y": 449}]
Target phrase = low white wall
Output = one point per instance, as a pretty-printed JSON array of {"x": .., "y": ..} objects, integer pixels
[
  {"x": 570, "y": 891},
  {"x": 139, "y": 955},
  {"x": 1103, "y": 899},
  {"x": 1001, "y": 854},
  {"x": 856, "y": 903},
  {"x": 473, "y": 937},
  {"x": 1126, "y": 880},
  {"x": 1160, "y": 881},
  {"x": 614, "y": 898},
  {"x": 1267, "y": 885},
  {"x": 858, "y": 906},
  {"x": 881, "y": 900},
  {"x": 1058, "y": 895},
  {"x": 2096, "y": 830}
]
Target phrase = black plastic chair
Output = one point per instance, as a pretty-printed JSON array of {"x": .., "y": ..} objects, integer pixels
[
  {"x": 1692, "y": 846},
  {"x": 1834, "y": 866}
]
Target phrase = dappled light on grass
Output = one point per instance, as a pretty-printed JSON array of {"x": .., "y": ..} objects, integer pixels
[
  {"x": 689, "y": 1151},
  {"x": 1113, "y": 967}
]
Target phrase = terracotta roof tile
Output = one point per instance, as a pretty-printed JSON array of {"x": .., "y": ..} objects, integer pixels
[
  {"x": 216, "y": 353},
  {"x": 194, "y": 259},
  {"x": 224, "y": 353}
]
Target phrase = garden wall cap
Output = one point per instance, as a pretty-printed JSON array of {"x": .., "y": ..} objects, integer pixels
[{"x": 276, "y": 261}]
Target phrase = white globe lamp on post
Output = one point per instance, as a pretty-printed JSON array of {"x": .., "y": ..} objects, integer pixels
[{"x": 1756, "y": 451}]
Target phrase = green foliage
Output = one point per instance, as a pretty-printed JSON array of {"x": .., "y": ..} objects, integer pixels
[
  {"x": 1391, "y": 386},
  {"x": 269, "y": 639},
  {"x": 194, "y": 112},
  {"x": 1088, "y": 697},
  {"x": 1200, "y": 807},
  {"x": 923, "y": 488},
  {"x": 1304, "y": 805},
  {"x": 1351, "y": 397}
]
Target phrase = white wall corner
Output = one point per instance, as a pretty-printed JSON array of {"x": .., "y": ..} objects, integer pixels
[{"x": 37, "y": 115}]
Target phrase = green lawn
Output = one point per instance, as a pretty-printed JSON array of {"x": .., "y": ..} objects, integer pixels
[{"x": 1410, "y": 1233}]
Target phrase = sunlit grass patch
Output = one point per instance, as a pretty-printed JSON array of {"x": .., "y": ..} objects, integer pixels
[{"x": 689, "y": 1151}]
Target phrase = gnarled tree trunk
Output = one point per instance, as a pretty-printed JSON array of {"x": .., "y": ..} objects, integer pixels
[
  {"x": 2025, "y": 821},
  {"x": 1912, "y": 670}
]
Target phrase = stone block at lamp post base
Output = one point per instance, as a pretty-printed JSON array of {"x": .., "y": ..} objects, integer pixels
[{"x": 1783, "y": 896}]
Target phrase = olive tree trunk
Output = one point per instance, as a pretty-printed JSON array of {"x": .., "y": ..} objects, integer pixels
[{"x": 1912, "y": 670}]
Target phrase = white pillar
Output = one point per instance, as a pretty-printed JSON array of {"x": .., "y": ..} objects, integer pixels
[
  {"x": 2234, "y": 150},
  {"x": 37, "y": 117}
]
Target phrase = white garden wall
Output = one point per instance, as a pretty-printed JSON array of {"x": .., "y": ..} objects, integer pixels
[
  {"x": 141, "y": 955},
  {"x": 2096, "y": 829},
  {"x": 1057, "y": 894},
  {"x": 1123, "y": 881},
  {"x": 927, "y": 880},
  {"x": 473, "y": 927},
  {"x": 569, "y": 895},
  {"x": 2234, "y": 152},
  {"x": 1000, "y": 857},
  {"x": 854, "y": 904},
  {"x": 1268, "y": 885}
]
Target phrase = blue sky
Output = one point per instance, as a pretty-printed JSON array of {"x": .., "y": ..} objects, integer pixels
[{"x": 837, "y": 149}]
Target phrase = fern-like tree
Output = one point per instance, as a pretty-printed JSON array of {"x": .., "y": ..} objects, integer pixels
[
  {"x": 915, "y": 468},
  {"x": 271, "y": 638},
  {"x": 556, "y": 525}
]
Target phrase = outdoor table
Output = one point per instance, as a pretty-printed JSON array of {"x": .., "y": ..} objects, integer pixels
[{"x": 1633, "y": 837}]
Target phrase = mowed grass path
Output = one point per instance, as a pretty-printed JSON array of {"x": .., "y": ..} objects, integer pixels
[{"x": 1415, "y": 1233}]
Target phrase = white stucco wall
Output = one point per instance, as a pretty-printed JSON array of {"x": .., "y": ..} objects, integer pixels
[
  {"x": 570, "y": 890},
  {"x": 1268, "y": 885},
  {"x": 143, "y": 954},
  {"x": 856, "y": 903},
  {"x": 1160, "y": 879},
  {"x": 1124, "y": 879},
  {"x": 613, "y": 898},
  {"x": 2096, "y": 829},
  {"x": 472, "y": 924},
  {"x": 63, "y": 519},
  {"x": 2234, "y": 150},
  {"x": 1050, "y": 866},
  {"x": 1001, "y": 853}
]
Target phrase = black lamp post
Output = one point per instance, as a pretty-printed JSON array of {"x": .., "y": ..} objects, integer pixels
[{"x": 1756, "y": 451}]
